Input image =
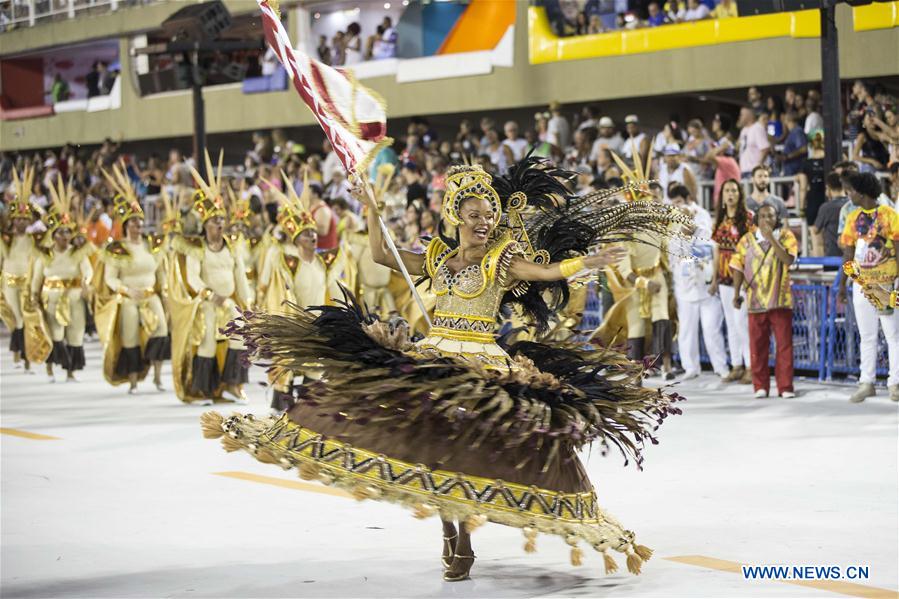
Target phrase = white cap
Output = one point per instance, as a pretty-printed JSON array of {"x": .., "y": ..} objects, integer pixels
[{"x": 606, "y": 122}]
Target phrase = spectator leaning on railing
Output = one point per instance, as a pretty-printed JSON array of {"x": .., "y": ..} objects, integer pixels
[{"x": 870, "y": 239}]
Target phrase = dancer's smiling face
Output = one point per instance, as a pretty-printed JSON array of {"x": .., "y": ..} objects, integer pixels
[{"x": 478, "y": 221}]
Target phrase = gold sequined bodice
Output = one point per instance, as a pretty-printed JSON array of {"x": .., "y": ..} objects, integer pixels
[{"x": 468, "y": 301}]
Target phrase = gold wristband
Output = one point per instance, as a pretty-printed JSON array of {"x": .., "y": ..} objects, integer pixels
[
  {"x": 893, "y": 299},
  {"x": 641, "y": 283},
  {"x": 571, "y": 266}
]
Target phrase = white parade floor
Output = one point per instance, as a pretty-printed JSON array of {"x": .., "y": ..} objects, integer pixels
[{"x": 126, "y": 502}]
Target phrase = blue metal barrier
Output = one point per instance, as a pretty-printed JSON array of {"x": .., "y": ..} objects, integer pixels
[{"x": 825, "y": 336}]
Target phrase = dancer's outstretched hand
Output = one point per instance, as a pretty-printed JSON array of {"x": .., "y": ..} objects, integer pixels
[{"x": 605, "y": 257}]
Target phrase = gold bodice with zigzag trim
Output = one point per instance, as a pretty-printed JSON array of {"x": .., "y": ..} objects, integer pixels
[{"x": 468, "y": 301}]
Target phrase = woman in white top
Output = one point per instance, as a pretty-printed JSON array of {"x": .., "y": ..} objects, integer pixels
[{"x": 352, "y": 43}]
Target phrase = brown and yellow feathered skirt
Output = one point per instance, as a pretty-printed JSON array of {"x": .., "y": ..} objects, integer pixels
[{"x": 443, "y": 435}]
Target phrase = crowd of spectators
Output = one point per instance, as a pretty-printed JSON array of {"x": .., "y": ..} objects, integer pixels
[
  {"x": 351, "y": 47},
  {"x": 737, "y": 159},
  {"x": 774, "y": 136},
  {"x": 585, "y": 17}
]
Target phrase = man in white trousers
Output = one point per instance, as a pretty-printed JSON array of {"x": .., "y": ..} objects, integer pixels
[
  {"x": 693, "y": 268},
  {"x": 870, "y": 239}
]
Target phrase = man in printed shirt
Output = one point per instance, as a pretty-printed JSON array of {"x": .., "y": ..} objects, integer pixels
[
  {"x": 869, "y": 238},
  {"x": 762, "y": 260}
]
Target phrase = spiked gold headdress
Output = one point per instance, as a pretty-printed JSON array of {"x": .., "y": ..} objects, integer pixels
[
  {"x": 59, "y": 215},
  {"x": 171, "y": 218},
  {"x": 21, "y": 206},
  {"x": 208, "y": 201},
  {"x": 637, "y": 178},
  {"x": 238, "y": 207},
  {"x": 463, "y": 182},
  {"x": 125, "y": 203},
  {"x": 294, "y": 216}
]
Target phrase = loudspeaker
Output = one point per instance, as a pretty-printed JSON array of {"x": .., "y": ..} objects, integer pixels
[{"x": 198, "y": 22}]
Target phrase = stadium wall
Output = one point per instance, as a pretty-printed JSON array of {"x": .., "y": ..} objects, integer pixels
[{"x": 777, "y": 61}]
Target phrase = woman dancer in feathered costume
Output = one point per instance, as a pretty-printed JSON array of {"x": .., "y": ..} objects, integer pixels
[{"x": 457, "y": 424}]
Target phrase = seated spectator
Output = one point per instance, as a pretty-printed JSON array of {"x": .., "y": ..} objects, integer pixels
[
  {"x": 656, "y": 15},
  {"x": 608, "y": 139},
  {"x": 595, "y": 25},
  {"x": 637, "y": 140},
  {"x": 693, "y": 11},
  {"x": 726, "y": 9},
  {"x": 512, "y": 141},
  {"x": 762, "y": 262},
  {"x": 558, "y": 131},
  {"x": 825, "y": 231}
]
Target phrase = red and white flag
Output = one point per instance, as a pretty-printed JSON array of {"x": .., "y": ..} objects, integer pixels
[{"x": 353, "y": 117}]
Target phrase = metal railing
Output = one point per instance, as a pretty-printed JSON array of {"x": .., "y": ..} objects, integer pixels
[{"x": 27, "y": 13}]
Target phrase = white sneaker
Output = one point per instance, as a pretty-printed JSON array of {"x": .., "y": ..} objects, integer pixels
[
  {"x": 761, "y": 394},
  {"x": 788, "y": 394},
  {"x": 864, "y": 391},
  {"x": 51, "y": 378},
  {"x": 202, "y": 402},
  {"x": 689, "y": 376},
  {"x": 894, "y": 392}
]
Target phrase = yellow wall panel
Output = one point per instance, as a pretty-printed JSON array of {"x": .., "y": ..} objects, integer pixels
[
  {"x": 879, "y": 15},
  {"x": 545, "y": 46}
]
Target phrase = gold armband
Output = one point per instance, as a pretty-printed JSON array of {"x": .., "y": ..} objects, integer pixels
[
  {"x": 571, "y": 266},
  {"x": 893, "y": 299}
]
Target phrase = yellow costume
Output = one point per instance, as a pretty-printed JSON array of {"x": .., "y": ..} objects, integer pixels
[
  {"x": 131, "y": 321},
  {"x": 646, "y": 262},
  {"x": 60, "y": 279},
  {"x": 205, "y": 363},
  {"x": 17, "y": 253}
]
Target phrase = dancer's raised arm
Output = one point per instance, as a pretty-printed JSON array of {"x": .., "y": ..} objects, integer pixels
[{"x": 380, "y": 253}]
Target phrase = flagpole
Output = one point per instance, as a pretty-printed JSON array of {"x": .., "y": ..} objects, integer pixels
[{"x": 396, "y": 255}]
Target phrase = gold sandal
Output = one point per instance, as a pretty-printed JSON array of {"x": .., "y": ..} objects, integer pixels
[
  {"x": 462, "y": 575},
  {"x": 447, "y": 559}
]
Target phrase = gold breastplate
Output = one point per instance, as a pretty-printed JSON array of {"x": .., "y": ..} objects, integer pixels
[{"x": 468, "y": 301}]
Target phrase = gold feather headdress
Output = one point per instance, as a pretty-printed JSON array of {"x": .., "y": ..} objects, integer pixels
[
  {"x": 294, "y": 215},
  {"x": 637, "y": 178},
  {"x": 171, "y": 218},
  {"x": 60, "y": 214},
  {"x": 125, "y": 203},
  {"x": 208, "y": 201},
  {"x": 21, "y": 206},
  {"x": 238, "y": 206}
]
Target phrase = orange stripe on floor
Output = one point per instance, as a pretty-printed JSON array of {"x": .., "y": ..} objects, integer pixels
[
  {"x": 287, "y": 484},
  {"x": 850, "y": 589},
  {"x": 26, "y": 435}
]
